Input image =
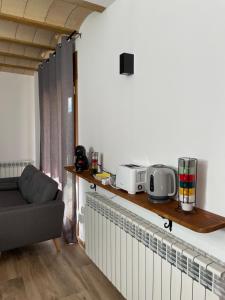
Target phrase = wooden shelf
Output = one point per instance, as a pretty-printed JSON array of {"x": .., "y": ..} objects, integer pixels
[{"x": 200, "y": 220}]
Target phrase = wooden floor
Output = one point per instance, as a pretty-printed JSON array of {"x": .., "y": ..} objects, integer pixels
[{"x": 39, "y": 273}]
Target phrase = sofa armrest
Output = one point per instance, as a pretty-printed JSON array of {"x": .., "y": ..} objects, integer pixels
[
  {"x": 30, "y": 208},
  {"x": 31, "y": 223},
  {"x": 7, "y": 184}
]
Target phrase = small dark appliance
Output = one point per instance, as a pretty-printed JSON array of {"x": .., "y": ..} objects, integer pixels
[
  {"x": 126, "y": 64},
  {"x": 81, "y": 162}
]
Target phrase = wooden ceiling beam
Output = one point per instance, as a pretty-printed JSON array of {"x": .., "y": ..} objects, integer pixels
[
  {"x": 34, "y": 23},
  {"x": 18, "y": 67},
  {"x": 89, "y": 5},
  {"x": 20, "y": 56},
  {"x": 26, "y": 43}
]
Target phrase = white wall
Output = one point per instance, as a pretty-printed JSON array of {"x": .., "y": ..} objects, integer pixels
[
  {"x": 17, "y": 117},
  {"x": 172, "y": 106},
  {"x": 104, "y": 3}
]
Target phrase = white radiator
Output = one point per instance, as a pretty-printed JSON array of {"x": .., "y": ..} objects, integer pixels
[
  {"x": 143, "y": 261},
  {"x": 13, "y": 168}
]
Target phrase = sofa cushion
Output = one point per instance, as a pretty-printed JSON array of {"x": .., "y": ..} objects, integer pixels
[
  {"x": 8, "y": 184},
  {"x": 25, "y": 180},
  {"x": 11, "y": 198},
  {"x": 42, "y": 189}
]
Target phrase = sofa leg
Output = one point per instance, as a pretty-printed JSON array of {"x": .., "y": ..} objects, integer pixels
[{"x": 57, "y": 244}]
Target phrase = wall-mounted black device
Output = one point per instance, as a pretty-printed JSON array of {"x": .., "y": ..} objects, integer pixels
[{"x": 126, "y": 63}]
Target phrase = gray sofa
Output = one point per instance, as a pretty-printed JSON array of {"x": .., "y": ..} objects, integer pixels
[{"x": 31, "y": 209}]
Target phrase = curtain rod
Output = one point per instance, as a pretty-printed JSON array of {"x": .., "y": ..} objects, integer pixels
[{"x": 75, "y": 33}]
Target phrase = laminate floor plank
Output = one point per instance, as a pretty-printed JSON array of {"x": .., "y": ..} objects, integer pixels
[
  {"x": 76, "y": 258},
  {"x": 7, "y": 267},
  {"x": 37, "y": 278},
  {"x": 99, "y": 286},
  {"x": 38, "y": 272},
  {"x": 65, "y": 279},
  {"x": 84, "y": 295},
  {"x": 13, "y": 289}
]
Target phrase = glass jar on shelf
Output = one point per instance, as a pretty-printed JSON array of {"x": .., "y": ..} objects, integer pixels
[
  {"x": 94, "y": 163},
  {"x": 187, "y": 177}
]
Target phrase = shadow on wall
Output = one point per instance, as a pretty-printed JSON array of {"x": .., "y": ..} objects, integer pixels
[{"x": 202, "y": 183}]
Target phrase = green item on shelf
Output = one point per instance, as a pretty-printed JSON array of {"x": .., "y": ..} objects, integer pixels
[
  {"x": 185, "y": 170},
  {"x": 187, "y": 185}
]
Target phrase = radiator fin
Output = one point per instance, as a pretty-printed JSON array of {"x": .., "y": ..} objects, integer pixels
[
  {"x": 13, "y": 168},
  {"x": 143, "y": 261},
  {"x": 187, "y": 287},
  {"x": 166, "y": 276},
  {"x": 175, "y": 283}
]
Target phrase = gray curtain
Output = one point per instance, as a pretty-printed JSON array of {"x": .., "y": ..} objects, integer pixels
[{"x": 56, "y": 94}]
